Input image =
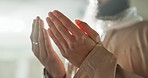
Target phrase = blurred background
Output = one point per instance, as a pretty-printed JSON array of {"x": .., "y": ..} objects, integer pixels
[
  {"x": 16, "y": 16},
  {"x": 16, "y": 57}
]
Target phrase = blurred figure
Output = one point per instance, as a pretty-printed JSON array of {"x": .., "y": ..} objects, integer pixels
[
  {"x": 123, "y": 53},
  {"x": 109, "y": 17}
]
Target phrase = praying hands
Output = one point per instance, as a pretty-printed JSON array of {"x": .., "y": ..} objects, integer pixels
[{"x": 75, "y": 42}]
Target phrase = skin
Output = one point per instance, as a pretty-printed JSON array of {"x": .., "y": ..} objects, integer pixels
[
  {"x": 44, "y": 50},
  {"x": 74, "y": 46},
  {"x": 75, "y": 42}
]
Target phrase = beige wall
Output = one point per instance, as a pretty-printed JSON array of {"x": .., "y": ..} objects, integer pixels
[{"x": 142, "y": 6}]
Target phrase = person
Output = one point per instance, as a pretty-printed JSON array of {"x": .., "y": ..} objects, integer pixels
[{"x": 122, "y": 54}]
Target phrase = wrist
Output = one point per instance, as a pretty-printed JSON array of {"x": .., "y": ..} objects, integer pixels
[{"x": 47, "y": 75}]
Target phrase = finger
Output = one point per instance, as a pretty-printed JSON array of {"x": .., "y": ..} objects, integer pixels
[
  {"x": 67, "y": 23},
  {"x": 35, "y": 47},
  {"x": 36, "y": 29},
  {"x": 48, "y": 45},
  {"x": 56, "y": 42},
  {"x": 41, "y": 40},
  {"x": 90, "y": 32},
  {"x": 57, "y": 35},
  {"x": 31, "y": 35},
  {"x": 32, "y": 32},
  {"x": 62, "y": 30}
]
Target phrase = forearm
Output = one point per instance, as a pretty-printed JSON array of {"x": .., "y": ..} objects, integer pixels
[
  {"x": 98, "y": 64},
  {"x": 102, "y": 64}
]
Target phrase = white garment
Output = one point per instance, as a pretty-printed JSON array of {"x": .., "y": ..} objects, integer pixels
[{"x": 129, "y": 18}]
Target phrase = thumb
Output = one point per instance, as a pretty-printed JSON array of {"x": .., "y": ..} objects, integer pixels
[{"x": 88, "y": 30}]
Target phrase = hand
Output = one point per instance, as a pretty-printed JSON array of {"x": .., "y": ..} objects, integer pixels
[
  {"x": 43, "y": 50},
  {"x": 74, "y": 44}
]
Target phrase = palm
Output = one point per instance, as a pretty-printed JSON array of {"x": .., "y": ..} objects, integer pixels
[{"x": 43, "y": 50}]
